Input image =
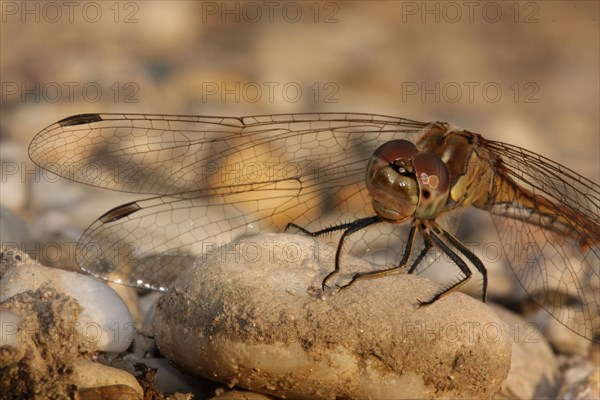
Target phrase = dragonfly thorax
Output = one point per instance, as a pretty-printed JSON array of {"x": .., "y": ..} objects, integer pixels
[{"x": 404, "y": 182}]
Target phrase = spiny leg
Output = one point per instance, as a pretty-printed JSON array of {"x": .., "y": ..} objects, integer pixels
[
  {"x": 351, "y": 228},
  {"x": 457, "y": 260},
  {"x": 322, "y": 231},
  {"x": 472, "y": 257},
  {"x": 428, "y": 246},
  {"x": 407, "y": 253}
]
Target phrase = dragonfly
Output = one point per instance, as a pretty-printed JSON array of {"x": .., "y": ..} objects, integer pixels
[{"x": 391, "y": 188}]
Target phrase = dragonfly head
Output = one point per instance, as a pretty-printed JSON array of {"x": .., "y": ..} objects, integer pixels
[{"x": 404, "y": 182}]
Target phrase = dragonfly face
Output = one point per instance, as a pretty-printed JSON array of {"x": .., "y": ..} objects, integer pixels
[
  {"x": 404, "y": 182},
  {"x": 546, "y": 215}
]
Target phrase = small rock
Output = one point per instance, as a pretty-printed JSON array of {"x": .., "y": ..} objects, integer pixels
[
  {"x": 256, "y": 317},
  {"x": 11, "y": 258},
  {"x": 40, "y": 365},
  {"x": 105, "y": 320},
  {"x": 120, "y": 392},
  {"x": 44, "y": 321},
  {"x": 562, "y": 338},
  {"x": 130, "y": 297},
  {"x": 582, "y": 384},
  {"x": 164, "y": 377},
  {"x": 144, "y": 344},
  {"x": 239, "y": 395},
  {"x": 534, "y": 371},
  {"x": 89, "y": 374},
  {"x": 170, "y": 379}
]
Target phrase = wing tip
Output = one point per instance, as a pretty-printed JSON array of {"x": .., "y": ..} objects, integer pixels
[
  {"x": 79, "y": 119},
  {"x": 119, "y": 212}
]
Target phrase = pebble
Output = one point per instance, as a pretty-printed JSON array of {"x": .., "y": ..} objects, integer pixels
[
  {"x": 130, "y": 297},
  {"x": 168, "y": 378},
  {"x": 88, "y": 374},
  {"x": 240, "y": 395},
  {"x": 105, "y": 321},
  {"x": 111, "y": 392},
  {"x": 581, "y": 383},
  {"x": 255, "y": 317},
  {"x": 562, "y": 339},
  {"x": 41, "y": 346},
  {"x": 534, "y": 369},
  {"x": 43, "y": 353}
]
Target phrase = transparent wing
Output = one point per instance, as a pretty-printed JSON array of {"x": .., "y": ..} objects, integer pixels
[
  {"x": 171, "y": 155},
  {"x": 217, "y": 178},
  {"x": 549, "y": 228}
]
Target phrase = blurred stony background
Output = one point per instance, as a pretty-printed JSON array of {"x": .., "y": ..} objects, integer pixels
[{"x": 525, "y": 73}]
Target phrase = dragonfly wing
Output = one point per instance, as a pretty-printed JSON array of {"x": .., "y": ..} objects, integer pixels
[
  {"x": 148, "y": 243},
  {"x": 216, "y": 179},
  {"x": 171, "y": 154},
  {"x": 553, "y": 246}
]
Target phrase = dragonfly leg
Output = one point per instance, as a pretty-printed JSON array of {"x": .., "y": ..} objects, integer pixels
[
  {"x": 457, "y": 260},
  {"x": 351, "y": 228},
  {"x": 474, "y": 260},
  {"x": 407, "y": 252},
  {"x": 434, "y": 235},
  {"x": 322, "y": 231},
  {"x": 428, "y": 245}
]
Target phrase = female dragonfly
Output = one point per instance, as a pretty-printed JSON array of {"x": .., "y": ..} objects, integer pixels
[{"x": 213, "y": 179}]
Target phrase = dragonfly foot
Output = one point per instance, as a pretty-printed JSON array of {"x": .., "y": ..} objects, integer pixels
[
  {"x": 426, "y": 303},
  {"x": 324, "y": 283},
  {"x": 350, "y": 282}
]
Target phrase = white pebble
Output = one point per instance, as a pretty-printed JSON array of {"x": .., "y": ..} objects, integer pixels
[{"x": 105, "y": 321}]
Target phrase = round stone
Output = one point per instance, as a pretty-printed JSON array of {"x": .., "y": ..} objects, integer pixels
[
  {"x": 105, "y": 321},
  {"x": 253, "y": 314}
]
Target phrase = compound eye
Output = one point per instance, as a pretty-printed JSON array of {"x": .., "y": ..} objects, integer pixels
[
  {"x": 431, "y": 172},
  {"x": 396, "y": 150},
  {"x": 433, "y": 178}
]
